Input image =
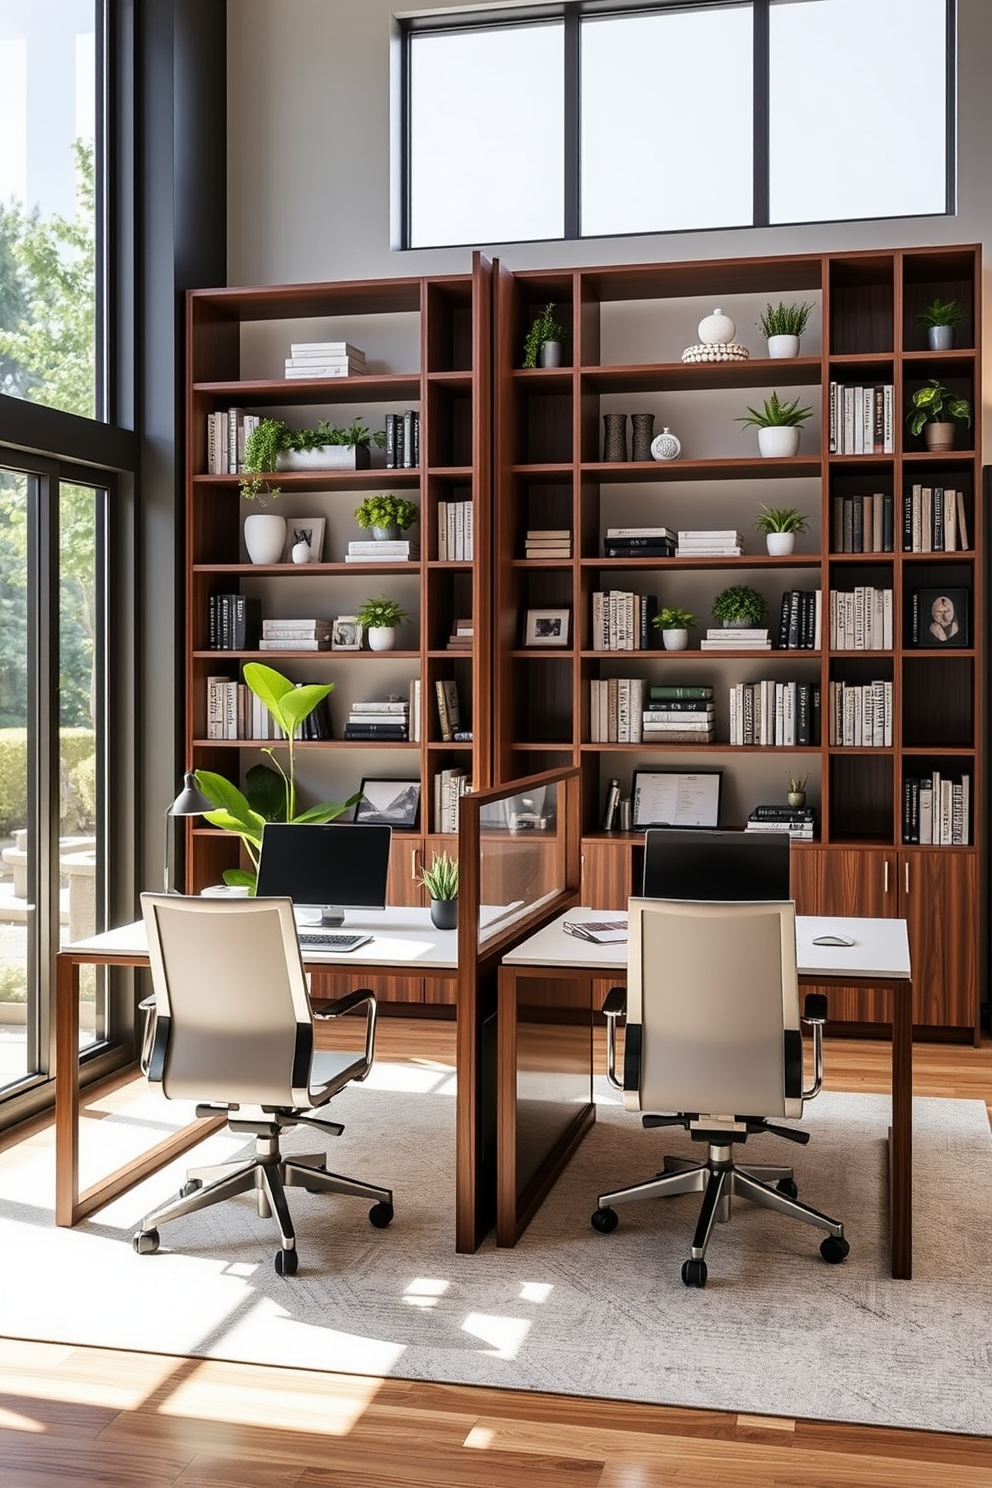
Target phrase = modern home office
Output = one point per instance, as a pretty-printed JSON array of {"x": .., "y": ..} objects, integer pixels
[{"x": 493, "y": 873}]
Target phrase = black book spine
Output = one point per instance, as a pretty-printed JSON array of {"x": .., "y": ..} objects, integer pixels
[
  {"x": 814, "y": 713},
  {"x": 888, "y": 503},
  {"x": 907, "y": 522},
  {"x": 792, "y": 640},
  {"x": 847, "y": 545},
  {"x": 415, "y": 461},
  {"x": 408, "y": 438},
  {"x": 398, "y": 441},
  {"x": 857, "y": 525},
  {"x": 212, "y": 622},
  {"x": 938, "y": 519},
  {"x": 656, "y": 550},
  {"x": 837, "y": 524},
  {"x": 802, "y": 713},
  {"x": 390, "y": 445},
  {"x": 783, "y": 620}
]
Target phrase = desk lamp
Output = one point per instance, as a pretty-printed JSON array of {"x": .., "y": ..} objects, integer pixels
[{"x": 190, "y": 802}]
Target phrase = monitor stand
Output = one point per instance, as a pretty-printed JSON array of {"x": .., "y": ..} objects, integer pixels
[{"x": 331, "y": 915}]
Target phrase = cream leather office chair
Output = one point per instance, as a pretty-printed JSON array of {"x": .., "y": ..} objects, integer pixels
[
  {"x": 713, "y": 1035},
  {"x": 233, "y": 1030}
]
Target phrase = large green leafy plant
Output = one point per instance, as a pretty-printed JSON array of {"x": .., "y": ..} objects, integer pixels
[{"x": 270, "y": 793}]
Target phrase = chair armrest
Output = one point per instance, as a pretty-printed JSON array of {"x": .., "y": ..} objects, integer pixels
[
  {"x": 346, "y": 1004},
  {"x": 815, "y": 1015},
  {"x": 147, "y": 1006},
  {"x": 614, "y": 1011}
]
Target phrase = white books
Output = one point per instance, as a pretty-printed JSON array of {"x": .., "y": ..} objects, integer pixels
[
  {"x": 636, "y": 532},
  {"x": 324, "y": 348},
  {"x": 682, "y": 551},
  {"x": 709, "y": 534},
  {"x": 740, "y": 645},
  {"x": 319, "y": 370},
  {"x": 377, "y": 706},
  {"x": 295, "y": 643},
  {"x": 737, "y": 632}
]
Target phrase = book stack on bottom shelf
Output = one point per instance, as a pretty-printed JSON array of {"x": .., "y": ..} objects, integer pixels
[
  {"x": 936, "y": 810},
  {"x": 386, "y": 721},
  {"x": 796, "y": 820},
  {"x": 449, "y": 786}
]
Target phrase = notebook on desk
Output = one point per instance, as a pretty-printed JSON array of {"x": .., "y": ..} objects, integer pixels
[{"x": 600, "y": 932}]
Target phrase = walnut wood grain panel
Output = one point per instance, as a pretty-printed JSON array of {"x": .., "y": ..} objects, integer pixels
[
  {"x": 937, "y": 890},
  {"x": 607, "y": 874},
  {"x": 848, "y": 881},
  {"x": 325, "y": 986},
  {"x": 406, "y": 859}
]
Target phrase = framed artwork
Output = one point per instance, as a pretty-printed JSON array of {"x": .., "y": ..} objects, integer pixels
[
  {"x": 941, "y": 618},
  {"x": 676, "y": 798},
  {"x": 346, "y": 633},
  {"x": 308, "y": 530},
  {"x": 391, "y": 803},
  {"x": 547, "y": 628}
]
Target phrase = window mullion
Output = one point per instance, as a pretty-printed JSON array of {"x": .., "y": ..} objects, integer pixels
[
  {"x": 573, "y": 130},
  {"x": 759, "y": 22}
]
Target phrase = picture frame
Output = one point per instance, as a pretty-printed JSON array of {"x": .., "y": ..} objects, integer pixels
[
  {"x": 304, "y": 529},
  {"x": 940, "y": 618},
  {"x": 676, "y": 798},
  {"x": 346, "y": 633},
  {"x": 391, "y": 803},
  {"x": 548, "y": 627}
]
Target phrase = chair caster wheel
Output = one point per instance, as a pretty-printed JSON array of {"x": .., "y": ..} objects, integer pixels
[
  {"x": 694, "y": 1273},
  {"x": 286, "y": 1262},
  {"x": 788, "y": 1187},
  {"x": 145, "y": 1242},
  {"x": 381, "y": 1215},
  {"x": 605, "y": 1221},
  {"x": 834, "y": 1249},
  {"x": 191, "y": 1186}
]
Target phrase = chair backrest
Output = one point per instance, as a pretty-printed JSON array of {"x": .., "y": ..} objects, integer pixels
[
  {"x": 233, "y": 1021},
  {"x": 705, "y": 863},
  {"x": 712, "y": 1020}
]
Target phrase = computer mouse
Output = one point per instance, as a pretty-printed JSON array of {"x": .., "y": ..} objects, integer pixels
[{"x": 833, "y": 940}]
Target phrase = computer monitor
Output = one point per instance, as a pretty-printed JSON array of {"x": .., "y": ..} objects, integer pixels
[
  {"x": 331, "y": 866},
  {"x": 716, "y": 865}
]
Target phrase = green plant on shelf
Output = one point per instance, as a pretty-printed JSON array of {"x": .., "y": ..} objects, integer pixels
[
  {"x": 775, "y": 414},
  {"x": 785, "y": 320},
  {"x": 386, "y": 510},
  {"x": 546, "y": 327},
  {"x": 387, "y": 613},
  {"x": 270, "y": 793},
  {"x": 739, "y": 604},
  {"x": 673, "y": 617},
  {"x": 273, "y": 437},
  {"x": 440, "y": 879},
  {"x": 935, "y": 404},
  {"x": 780, "y": 519},
  {"x": 940, "y": 313}
]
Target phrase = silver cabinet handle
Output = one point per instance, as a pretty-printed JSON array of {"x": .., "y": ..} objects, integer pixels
[{"x": 906, "y": 870}]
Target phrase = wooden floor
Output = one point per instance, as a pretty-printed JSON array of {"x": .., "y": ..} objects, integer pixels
[{"x": 91, "y": 1416}]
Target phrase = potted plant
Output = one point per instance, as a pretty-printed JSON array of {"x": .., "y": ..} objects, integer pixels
[
  {"x": 780, "y": 525},
  {"x": 441, "y": 882},
  {"x": 273, "y": 445},
  {"x": 674, "y": 624},
  {"x": 543, "y": 344},
  {"x": 386, "y": 515},
  {"x": 740, "y": 605},
  {"x": 380, "y": 617},
  {"x": 270, "y": 793},
  {"x": 934, "y": 410},
  {"x": 265, "y": 531},
  {"x": 797, "y": 790},
  {"x": 938, "y": 319},
  {"x": 779, "y": 425},
  {"x": 783, "y": 325}
]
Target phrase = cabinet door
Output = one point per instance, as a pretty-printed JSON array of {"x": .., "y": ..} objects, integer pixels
[
  {"x": 607, "y": 874},
  {"x": 847, "y": 881},
  {"x": 406, "y": 859},
  {"x": 938, "y": 891},
  {"x": 329, "y": 985}
]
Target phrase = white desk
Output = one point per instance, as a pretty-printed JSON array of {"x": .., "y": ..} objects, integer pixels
[{"x": 879, "y": 957}]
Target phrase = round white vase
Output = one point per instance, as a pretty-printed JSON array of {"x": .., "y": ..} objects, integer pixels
[
  {"x": 783, "y": 346},
  {"x": 716, "y": 329},
  {"x": 779, "y": 439},
  {"x": 265, "y": 537},
  {"x": 780, "y": 543},
  {"x": 302, "y": 552},
  {"x": 675, "y": 640},
  {"x": 381, "y": 637}
]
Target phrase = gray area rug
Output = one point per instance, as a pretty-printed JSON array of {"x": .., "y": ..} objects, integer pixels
[{"x": 776, "y": 1331}]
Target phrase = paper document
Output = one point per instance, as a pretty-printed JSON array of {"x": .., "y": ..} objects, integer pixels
[{"x": 601, "y": 932}]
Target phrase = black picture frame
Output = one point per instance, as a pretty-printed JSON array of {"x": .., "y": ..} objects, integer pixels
[
  {"x": 391, "y": 803},
  {"x": 676, "y": 798},
  {"x": 940, "y": 619}
]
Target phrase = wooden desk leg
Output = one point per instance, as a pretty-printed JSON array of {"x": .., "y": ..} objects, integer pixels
[
  {"x": 66, "y": 1089},
  {"x": 901, "y": 1133},
  {"x": 506, "y": 1109}
]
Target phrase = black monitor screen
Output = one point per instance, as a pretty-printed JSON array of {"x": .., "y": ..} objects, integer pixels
[
  {"x": 716, "y": 865},
  {"x": 334, "y": 865}
]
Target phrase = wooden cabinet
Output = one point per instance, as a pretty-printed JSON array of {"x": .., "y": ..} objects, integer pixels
[{"x": 406, "y": 859}]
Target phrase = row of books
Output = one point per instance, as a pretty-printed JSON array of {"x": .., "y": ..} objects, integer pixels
[
  {"x": 325, "y": 359},
  {"x": 454, "y": 531},
  {"x": 234, "y": 622},
  {"x": 799, "y": 622},
  {"x": 449, "y": 713},
  {"x": 862, "y": 419},
  {"x": 449, "y": 787},
  {"x": 402, "y": 440},
  {"x": 639, "y": 542},
  {"x": 736, "y": 638},
  {"x": 860, "y": 715},
  {"x": 934, "y": 520},
  {"x": 621, "y": 621},
  {"x": 861, "y": 619},
  {"x": 462, "y": 635},
  {"x": 937, "y": 811},
  {"x": 387, "y": 550},
  {"x": 234, "y": 712},
  {"x": 862, "y": 524},
  {"x": 798, "y": 821},
  {"x": 227, "y": 431},
  {"x": 775, "y": 713},
  {"x": 548, "y": 542},
  {"x": 386, "y": 721},
  {"x": 626, "y": 710},
  {"x": 718, "y": 542}
]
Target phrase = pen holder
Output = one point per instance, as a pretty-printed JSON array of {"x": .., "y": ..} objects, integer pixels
[{"x": 625, "y": 814}]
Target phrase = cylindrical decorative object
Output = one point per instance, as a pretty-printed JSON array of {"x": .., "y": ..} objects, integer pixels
[
  {"x": 780, "y": 543},
  {"x": 675, "y": 640},
  {"x": 614, "y": 436},
  {"x": 940, "y": 338},
  {"x": 939, "y": 436},
  {"x": 265, "y": 537},
  {"x": 381, "y": 637},
  {"x": 444, "y": 914},
  {"x": 783, "y": 346},
  {"x": 385, "y": 534},
  {"x": 549, "y": 354},
  {"x": 625, "y": 813},
  {"x": 642, "y": 433},
  {"x": 778, "y": 440}
]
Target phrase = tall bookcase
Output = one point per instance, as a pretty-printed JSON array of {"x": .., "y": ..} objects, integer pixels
[
  {"x": 428, "y": 345},
  {"x": 628, "y": 327}
]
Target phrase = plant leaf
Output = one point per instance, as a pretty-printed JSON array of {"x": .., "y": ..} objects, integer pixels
[
  {"x": 300, "y": 702},
  {"x": 240, "y": 878},
  {"x": 270, "y": 686},
  {"x": 265, "y": 790}
]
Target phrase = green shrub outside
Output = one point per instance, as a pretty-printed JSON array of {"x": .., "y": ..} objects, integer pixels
[{"x": 77, "y": 787}]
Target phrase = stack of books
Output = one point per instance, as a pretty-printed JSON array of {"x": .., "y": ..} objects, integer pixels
[
  {"x": 639, "y": 542},
  {"x": 325, "y": 359},
  {"x": 776, "y": 713},
  {"x": 937, "y": 810},
  {"x": 681, "y": 720},
  {"x": 462, "y": 636},
  {"x": 402, "y": 440},
  {"x": 449, "y": 786},
  {"x": 227, "y": 431},
  {"x": 548, "y": 542},
  {"x": 616, "y": 709},
  {"x": 621, "y": 621},
  {"x": 385, "y": 721},
  {"x": 716, "y": 542},
  {"x": 233, "y": 622},
  {"x": 295, "y": 635},
  {"x": 736, "y": 638},
  {"x": 796, "y": 820},
  {"x": 454, "y": 531},
  {"x": 388, "y": 550}
]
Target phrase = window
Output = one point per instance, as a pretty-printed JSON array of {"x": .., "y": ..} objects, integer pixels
[{"x": 672, "y": 117}]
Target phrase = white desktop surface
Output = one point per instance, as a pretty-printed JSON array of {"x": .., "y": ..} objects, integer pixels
[{"x": 880, "y": 949}]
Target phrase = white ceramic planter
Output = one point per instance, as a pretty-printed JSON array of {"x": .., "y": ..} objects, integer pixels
[
  {"x": 381, "y": 637},
  {"x": 265, "y": 537},
  {"x": 780, "y": 543},
  {"x": 783, "y": 346},
  {"x": 675, "y": 640},
  {"x": 325, "y": 457},
  {"x": 779, "y": 439},
  {"x": 939, "y": 436}
]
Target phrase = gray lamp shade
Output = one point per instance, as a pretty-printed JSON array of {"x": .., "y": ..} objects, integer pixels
[{"x": 190, "y": 801}]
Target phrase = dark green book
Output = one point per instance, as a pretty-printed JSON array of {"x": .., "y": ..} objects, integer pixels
[{"x": 680, "y": 692}]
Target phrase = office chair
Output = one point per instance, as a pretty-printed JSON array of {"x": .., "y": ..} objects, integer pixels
[
  {"x": 713, "y": 1036},
  {"x": 233, "y": 1030}
]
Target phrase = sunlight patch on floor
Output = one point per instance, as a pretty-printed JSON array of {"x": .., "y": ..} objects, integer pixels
[
  {"x": 536, "y": 1291},
  {"x": 504, "y": 1335}
]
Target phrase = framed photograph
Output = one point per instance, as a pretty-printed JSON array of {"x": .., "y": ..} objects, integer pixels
[
  {"x": 941, "y": 618},
  {"x": 676, "y": 798},
  {"x": 391, "y": 803},
  {"x": 346, "y": 633},
  {"x": 547, "y": 628},
  {"x": 308, "y": 530}
]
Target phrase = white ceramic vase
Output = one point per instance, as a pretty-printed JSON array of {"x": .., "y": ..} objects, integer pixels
[
  {"x": 675, "y": 640},
  {"x": 716, "y": 329},
  {"x": 779, "y": 439},
  {"x": 265, "y": 537},
  {"x": 783, "y": 346},
  {"x": 780, "y": 543},
  {"x": 381, "y": 637},
  {"x": 302, "y": 552}
]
